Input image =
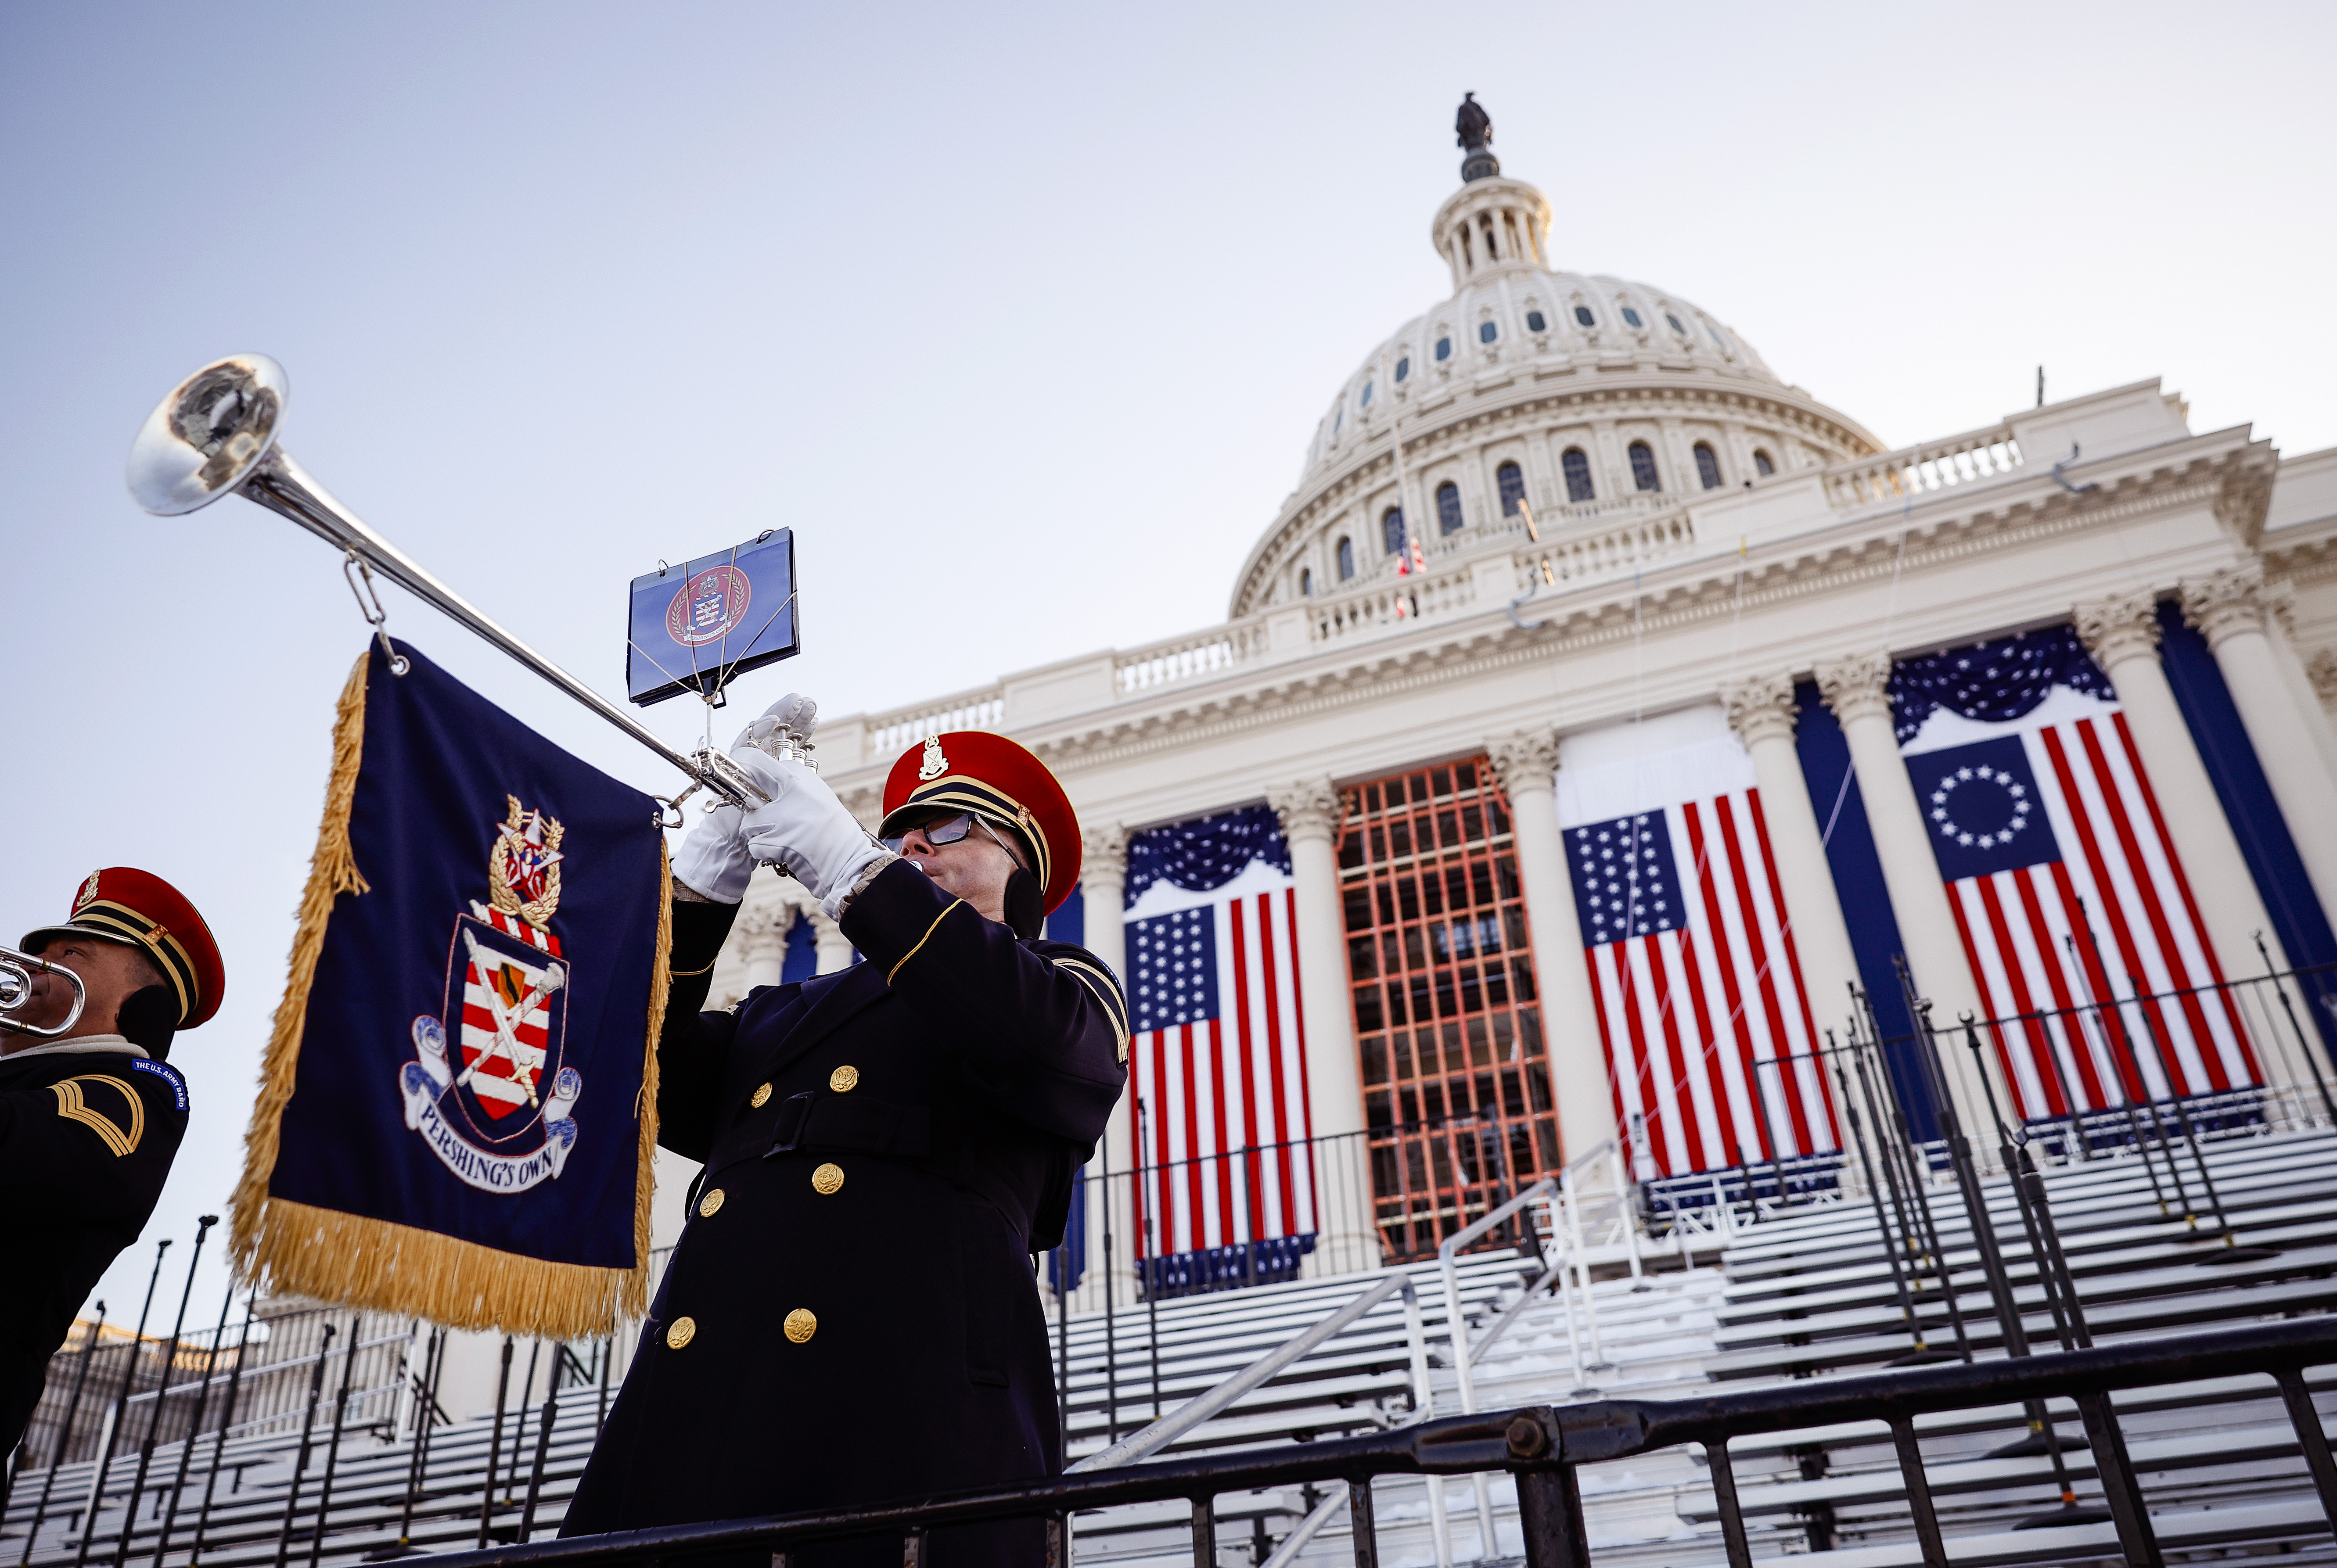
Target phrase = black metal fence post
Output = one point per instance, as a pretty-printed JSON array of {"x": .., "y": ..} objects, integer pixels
[
  {"x": 194, "y": 1426},
  {"x": 1724, "y": 1496},
  {"x": 543, "y": 1423},
  {"x": 65, "y": 1433},
  {"x": 307, "y": 1433},
  {"x": 226, "y": 1420},
  {"x": 333, "y": 1450},
  {"x": 162, "y": 1393},
  {"x": 1359, "y": 1522},
  {"x": 1205, "y": 1532},
  {"x": 1918, "y": 1491},
  {"x": 121, "y": 1409},
  {"x": 2120, "y": 1487},
  {"x": 494, "y": 1446}
]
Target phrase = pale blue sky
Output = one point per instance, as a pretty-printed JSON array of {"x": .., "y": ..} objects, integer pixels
[{"x": 1021, "y": 317}]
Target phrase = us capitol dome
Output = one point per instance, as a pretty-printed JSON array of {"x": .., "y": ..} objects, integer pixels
[{"x": 1587, "y": 396}]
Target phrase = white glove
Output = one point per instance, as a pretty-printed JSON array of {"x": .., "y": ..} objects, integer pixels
[
  {"x": 714, "y": 860},
  {"x": 806, "y": 829}
]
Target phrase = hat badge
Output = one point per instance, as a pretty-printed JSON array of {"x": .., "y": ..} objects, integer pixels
[
  {"x": 933, "y": 764},
  {"x": 88, "y": 892}
]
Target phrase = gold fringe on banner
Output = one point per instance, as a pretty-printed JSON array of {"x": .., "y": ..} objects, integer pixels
[{"x": 350, "y": 1259}]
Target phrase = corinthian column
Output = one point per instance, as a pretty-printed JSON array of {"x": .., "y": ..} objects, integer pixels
[
  {"x": 831, "y": 949},
  {"x": 1858, "y": 690},
  {"x": 1103, "y": 881},
  {"x": 2122, "y": 633},
  {"x": 1526, "y": 763},
  {"x": 761, "y": 934},
  {"x": 1310, "y": 811},
  {"x": 1762, "y": 712},
  {"x": 2229, "y": 609}
]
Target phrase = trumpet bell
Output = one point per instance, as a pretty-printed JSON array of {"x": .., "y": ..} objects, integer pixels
[{"x": 205, "y": 439}]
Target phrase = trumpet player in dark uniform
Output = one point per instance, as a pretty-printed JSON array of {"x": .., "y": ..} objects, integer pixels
[
  {"x": 91, "y": 1114},
  {"x": 850, "y": 1315}
]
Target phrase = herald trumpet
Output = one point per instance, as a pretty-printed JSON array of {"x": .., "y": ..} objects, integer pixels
[
  {"x": 216, "y": 435},
  {"x": 16, "y": 972}
]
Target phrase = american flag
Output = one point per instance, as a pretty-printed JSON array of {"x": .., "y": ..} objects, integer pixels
[
  {"x": 1699, "y": 990},
  {"x": 1217, "y": 1062},
  {"x": 2068, "y": 892}
]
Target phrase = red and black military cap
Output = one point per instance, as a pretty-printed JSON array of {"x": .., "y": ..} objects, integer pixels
[
  {"x": 972, "y": 770},
  {"x": 138, "y": 909}
]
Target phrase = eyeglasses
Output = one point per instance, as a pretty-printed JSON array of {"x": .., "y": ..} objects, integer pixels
[{"x": 950, "y": 830}]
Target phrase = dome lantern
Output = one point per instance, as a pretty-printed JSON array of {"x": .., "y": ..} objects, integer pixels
[{"x": 1491, "y": 222}]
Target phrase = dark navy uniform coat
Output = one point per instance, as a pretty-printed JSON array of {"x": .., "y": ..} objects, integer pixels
[
  {"x": 86, "y": 1141},
  {"x": 850, "y": 1315}
]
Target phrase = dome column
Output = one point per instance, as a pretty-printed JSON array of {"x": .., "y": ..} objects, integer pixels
[
  {"x": 2229, "y": 609},
  {"x": 1311, "y": 811},
  {"x": 2122, "y": 633},
  {"x": 1581, "y": 1085},
  {"x": 1858, "y": 690}
]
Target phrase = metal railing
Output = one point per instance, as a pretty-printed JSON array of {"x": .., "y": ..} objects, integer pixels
[{"x": 1543, "y": 1447}]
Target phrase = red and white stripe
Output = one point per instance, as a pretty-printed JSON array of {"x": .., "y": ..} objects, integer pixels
[
  {"x": 1691, "y": 1017},
  {"x": 502, "y": 1086},
  {"x": 1235, "y": 1082},
  {"x": 2020, "y": 927}
]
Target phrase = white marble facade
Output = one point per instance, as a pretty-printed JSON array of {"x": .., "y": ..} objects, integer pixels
[{"x": 1779, "y": 544}]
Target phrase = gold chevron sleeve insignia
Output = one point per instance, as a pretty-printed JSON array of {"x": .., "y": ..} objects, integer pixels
[
  {"x": 73, "y": 1107},
  {"x": 1106, "y": 991}
]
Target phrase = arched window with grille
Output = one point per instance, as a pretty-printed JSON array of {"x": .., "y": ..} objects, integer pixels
[
  {"x": 1346, "y": 558},
  {"x": 1707, "y": 466},
  {"x": 1762, "y": 463},
  {"x": 1511, "y": 480},
  {"x": 1448, "y": 507},
  {"x": 1643, "y": 467},
  {"x": 1392, "y": 528},
  {"x": 1577, "y": 468}
]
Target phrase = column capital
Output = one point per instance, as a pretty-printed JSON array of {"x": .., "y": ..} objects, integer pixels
[
  {"x": 1309, "y": 808},
  {"x": 1762, "y": 708},
  {"x": 1103, "y": 854},
  {"x": 1524, "y": 762},
  {"x": 1857, "y": 686},
  {"x": 2321, "y": 670},
  {"x": 2119, "y": 627},
  {"x": 761, "y": 927},
  {"x": 2222, "y": 604}
]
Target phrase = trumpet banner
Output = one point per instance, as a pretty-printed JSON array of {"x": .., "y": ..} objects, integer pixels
[{"x": 457, "y": 1110}]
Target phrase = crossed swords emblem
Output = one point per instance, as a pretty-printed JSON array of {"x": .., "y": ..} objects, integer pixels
[{"x": 506, "y": 1041}]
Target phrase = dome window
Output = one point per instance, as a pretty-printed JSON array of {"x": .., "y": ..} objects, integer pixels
[
  {"x": 1306, "y": 582},
  {"x": 1511, "y": 482},
  {"x": 1443, "y": 348},
  {"x": 1577, "y": 468},
  {"x": 1346, "y": 560},
  {"x": 1339, "y": 419},
  {"x": 1583, "y": 314},
  {"x": 1632, "y": 317},
  {"x": 1677, "y": 324},
  {"x": 1366, "y": 402},
  {"x": 1403, "y": 369},
  {"x": 1707, "y": 466},
  {"x": 1536, "y": 322},
  {"x": 1392, "y": 528},
  {"x": 1486, "y": 332},
  {"x": 1448, "y": 507},
  {"x": 1762, "y": 463},
  {"x": 1716, "y": 336},
  {"x": 1643, "y": 467}
]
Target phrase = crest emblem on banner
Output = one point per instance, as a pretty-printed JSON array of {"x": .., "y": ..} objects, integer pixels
[{"x": 496, "y": 1108}]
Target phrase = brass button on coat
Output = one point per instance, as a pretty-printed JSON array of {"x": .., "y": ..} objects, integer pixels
[
  {"x": 760, "y": 1097},
  {"x": 829, "y": 1180},
  {"x": 684, "y": 1330},
  {"x": 799, "y": 1326},
  {"x": 709, "y": 1203},
  {"x": 843, "y": 1079}
]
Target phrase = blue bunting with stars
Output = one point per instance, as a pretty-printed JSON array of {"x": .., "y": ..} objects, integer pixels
[
  {"x": 1993, "y": 681},
  {"x": 1625, "y": 881}
]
